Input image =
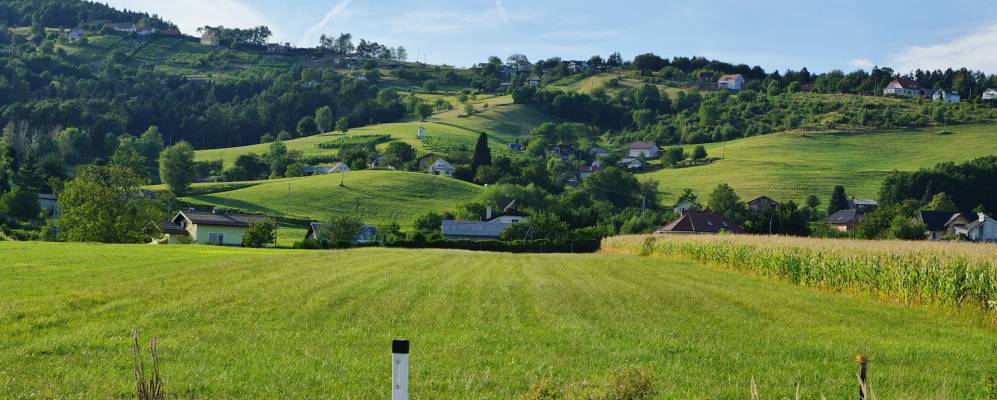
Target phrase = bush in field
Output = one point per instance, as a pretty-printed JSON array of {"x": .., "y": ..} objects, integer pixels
[{"x": 260, "y": 234}]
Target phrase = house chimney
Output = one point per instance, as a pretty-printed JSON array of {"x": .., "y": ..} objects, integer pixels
[
  {"x": 983, "y": 217},
  {"x": 488, "y": 212}
]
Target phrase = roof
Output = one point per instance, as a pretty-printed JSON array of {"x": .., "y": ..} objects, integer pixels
[
  {"x": 218, "y": 219},
  {"x": 629, "y": 160},
  {"x": 701, "y": 222},
  {"x": 968, "y": 217},
  {"x": 973, "y": 225},
  {"x": 171, "y": 228},
  {"x": 208, "y": 35},
  {"x": 862, "y": 202},
  {"x": 47, "y": 196},
  {"x": 763, "y": 199},
  {"x": 842, "y": 217},
  {"x": 477, "y": 229},
  {"x": 441, "y": 164},
  {"x": 642, "y": 145},
  {"x": 730, "y": 77},
  {"x": 907, "y": 83},
  {"x": 935, "y": 220}
]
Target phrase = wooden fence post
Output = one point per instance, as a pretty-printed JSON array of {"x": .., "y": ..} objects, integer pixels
[{"x": 863, "y": 370}]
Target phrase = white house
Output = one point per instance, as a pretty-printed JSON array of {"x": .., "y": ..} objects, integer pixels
[
  {"x": 76, "y": 34},
  {"x": 983, "y": 229},
  {"x": 630, "y": 163},
  {"x": 731, "y": 82},
  {"x": 340, "y": 167},
  {"x": 946, "y": 96},
  {"x": 903, "y": 87},
  {"x": 990, "y": 94},
  {"x": 441, "y": 167},
  {"x": 422, "y": 133},
  {"x": 644, "y": 149}
]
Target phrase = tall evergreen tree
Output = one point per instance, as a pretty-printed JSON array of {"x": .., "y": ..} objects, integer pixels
[
  {"x": 839, "y": 200},
  {"x": 482, "y": 153}
]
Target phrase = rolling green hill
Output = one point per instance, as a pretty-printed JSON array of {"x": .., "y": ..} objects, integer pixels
[
  {"x": 502, "y": 121},
  {"x": 791, "y": 166},
  {"x": 380, "y": 196},
  {"x": 243, "y": 323}
]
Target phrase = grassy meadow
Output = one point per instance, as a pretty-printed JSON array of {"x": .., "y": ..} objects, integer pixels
[
  {"x": 502, "y": 121},
  {"x": 243, "y": 323},
  {"x": 791, "y": 165},
  {"x": 384, "y": 196}
]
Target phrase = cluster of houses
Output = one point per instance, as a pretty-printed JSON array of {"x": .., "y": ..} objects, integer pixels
[
  {"x": 941, "y": 225},
  {"x": 909, "y": 88},
  {"x": 848, "y": 220}
]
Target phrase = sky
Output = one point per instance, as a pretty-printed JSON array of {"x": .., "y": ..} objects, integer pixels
[{"x": 775, "y": 34}]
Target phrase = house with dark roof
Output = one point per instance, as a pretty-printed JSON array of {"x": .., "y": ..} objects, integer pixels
[
  {"x": 216, "y": 228},
  {"x": 701, "y": 223},
  {"x": 508, "y": 215},
  {"x": 761, "y": 204},
  {"x": 367, "y": 233},
  {"x": 862, "y": 206},
  {"x": 630, "y": 163},
  {"x": 845, "y": 220},
  {"x": 934, "y": 223},
  {"x": 903, "y": 87}
]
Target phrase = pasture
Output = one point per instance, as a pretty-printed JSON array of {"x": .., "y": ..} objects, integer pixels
[
  {"x": 792, "y": 165},
  {"x": 378, "y": 196},
  {"x": 243, "y": 323}
]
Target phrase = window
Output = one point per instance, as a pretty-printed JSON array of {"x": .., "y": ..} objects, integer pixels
[{"x": 216, "y": 238}]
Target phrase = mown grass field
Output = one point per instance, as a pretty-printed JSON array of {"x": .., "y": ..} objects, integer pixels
[
  {"x": 383, "y": 196},
  {"x": 791, "y": 166},
  {"x": 502, "y": 121},
  {"x": 241, "y": 323}
]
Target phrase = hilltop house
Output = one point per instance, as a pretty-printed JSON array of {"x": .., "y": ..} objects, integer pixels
[
  {"x": 946, "y": 96},
  {"x": 367, "y": 233},
  {"x": 209, "y": 38},
  {"x": 760, "y": 205},
  {"x": 441, "y": 167},
  {"x": 700, "y": 222},
  {"x": 990, "y": 94},
  {"x": 647, "y": 150},
  {"x": 845, "y": 220},
  {"x": 340, "y": 167},
  {"x": 630, "y": 163},
  {"x": 733, "y": 82},
  {"x": 128, "y": 27},
  {"x": 208, "y": 228},
  {"x": 903, "y": 87}
]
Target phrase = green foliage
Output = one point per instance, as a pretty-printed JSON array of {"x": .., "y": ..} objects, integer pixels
[
  {"x": 19, "y": 203},
  {"x": 942, "y": 202},
  {"x": 482, "y": 153},
  {"x": 340, "y": 229},
  {"x": 904, "y": 228},
  {"x": 725, "y": 201},
  {"x": 355, "y": 140},
  {"x": 307, "y": 126},
  {"x": 103, "y": 204},
  {"x": 838, "y": 201},
  {"x": 540, "y": 225},
  {"x": 429, "y": 222},
  {"x": 699, "y": 153},
  {"x": 343, "y": 124},
  {"x": 398, "y": 153},
  {"x": 260, "y": 234},
  {"x": 324, "y": 119},
  {"x": 674, "y": 155},
  {"x": 176, "y": 167}
]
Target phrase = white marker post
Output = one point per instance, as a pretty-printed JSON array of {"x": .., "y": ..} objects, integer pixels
[{"x": 399, "y": 369}]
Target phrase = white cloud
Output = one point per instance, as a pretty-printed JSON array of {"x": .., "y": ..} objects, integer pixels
[
  {"x": 862, "y": 63},
  {"x": 312, "y": 34},
  {"x": 188, "y": 15},
  {"x": 501, "y": 11},
  {"x": 977, "y": 50}
]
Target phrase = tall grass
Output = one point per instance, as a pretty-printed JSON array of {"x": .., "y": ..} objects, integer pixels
[{"x": 959, "y": 274}]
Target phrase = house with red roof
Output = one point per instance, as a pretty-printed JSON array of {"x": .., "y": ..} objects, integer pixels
[
  {"x": 733, "y": 82},
  {"x": 903, "y": 87}
]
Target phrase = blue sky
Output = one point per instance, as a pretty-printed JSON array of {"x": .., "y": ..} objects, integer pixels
[{"x": 776, "y": 34}]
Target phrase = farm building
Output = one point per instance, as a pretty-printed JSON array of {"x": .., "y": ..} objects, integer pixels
[
  {"x": 700, "y": 223},
  {"x": 947, "y": 96},
  {"x": 845, "y": 220},
  {"x": 210, "y": 38},
  {"x": 367, "y": 233},
  {"x": 981, "y": 229},
  {"x": 76, "y": 34},
  {"x": 934, "y": 223},
  {"x": 317, "y": 170},
  {"x": 207, "y": 228},
  {"x": 442, "y": 168},
  {"x": 644, "y": 149},
  {"x": 731, "y": 82},
  {"x": 425, "y": 161},
  {"x": 340, "y": 167},
  {"x": 509, "y": 215},
  {"x": 761, "y": 204},
  {"x": 903, "y": 87}
]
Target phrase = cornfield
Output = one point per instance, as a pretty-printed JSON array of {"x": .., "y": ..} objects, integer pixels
[{"x": 949, "y": 274}]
